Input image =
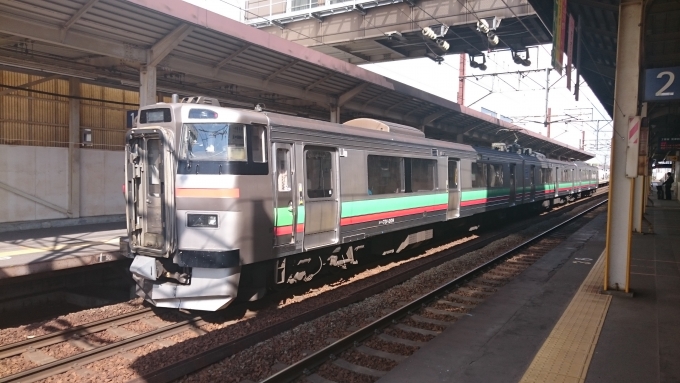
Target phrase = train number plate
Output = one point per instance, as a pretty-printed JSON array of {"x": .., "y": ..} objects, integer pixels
[{"x": 387, "y": 221}]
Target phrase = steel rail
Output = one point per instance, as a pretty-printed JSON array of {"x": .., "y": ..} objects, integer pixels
[
  {"x": 16, "y": 348},
  {"x": 218, "y": 353},
  {"x": 74, "y": 361},
  {"x": 316, "y": 359}
]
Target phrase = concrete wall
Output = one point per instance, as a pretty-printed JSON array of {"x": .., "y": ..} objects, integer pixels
[{"x": 43, "y": 173}]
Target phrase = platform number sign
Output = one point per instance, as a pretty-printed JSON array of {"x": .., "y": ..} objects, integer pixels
[
  {"x": 662, "y": 84},
  {"x": 130, "y": 116}
]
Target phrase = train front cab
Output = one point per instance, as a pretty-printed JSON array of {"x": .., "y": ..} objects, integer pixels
[{"x": 197, "y": 187}]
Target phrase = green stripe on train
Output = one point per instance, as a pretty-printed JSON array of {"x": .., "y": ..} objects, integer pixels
[
  {"x": 285, "y": 217},
  {"x": 471, "y": 195},
  {"x": 373, "y": 206}
]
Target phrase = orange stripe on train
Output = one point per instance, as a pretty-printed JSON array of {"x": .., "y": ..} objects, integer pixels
[{"x": 207, "y": 193}]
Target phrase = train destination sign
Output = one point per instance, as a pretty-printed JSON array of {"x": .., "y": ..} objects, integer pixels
[
  {"x": 669, "y": 143},
  {"x": 662, "y": 84}
]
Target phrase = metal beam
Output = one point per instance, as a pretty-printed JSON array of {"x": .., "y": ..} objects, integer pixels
[
  {"x": 30, "y": 84},
  {"x": 429, "y": 118},
  {"x": 319, "y": 81},
  {"x": 73, "y": 39},
  {"x": 349, "y": 52},
  {"x": 166, "y": 45},
  {"x": 597, "y": 4},
  {"x": 89, "y": 43},
  {"x": 207, "y": 71},
  {"x": 10, "y": 40},
  {"x": 232, "y": 56},
  {"x": 392, "y": 49},
  {"x": 76, "y": 16},
  {"x": 350, "y": 94},
  {"x": 280, "y": 70}
]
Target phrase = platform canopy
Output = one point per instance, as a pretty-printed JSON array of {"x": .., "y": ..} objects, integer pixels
[
  {"x": 196, "y": 51},
  {"x": 599, "y": 21}
]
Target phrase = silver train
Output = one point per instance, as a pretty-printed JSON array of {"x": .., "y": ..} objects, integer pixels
[{"x": 226, "y": 202}]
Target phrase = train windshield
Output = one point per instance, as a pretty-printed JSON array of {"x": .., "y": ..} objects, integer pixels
[{"x": 214, "y": 142}]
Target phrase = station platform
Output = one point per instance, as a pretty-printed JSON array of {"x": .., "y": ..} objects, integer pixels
[
  {"x": 42, "y": 250},
  {"x": 553, "y": 324}
]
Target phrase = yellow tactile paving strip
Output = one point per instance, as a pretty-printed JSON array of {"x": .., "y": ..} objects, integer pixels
[{"x": 566, "y": 353}]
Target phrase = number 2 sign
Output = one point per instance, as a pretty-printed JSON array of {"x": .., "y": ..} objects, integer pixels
[{"x": 662, "y": 84}]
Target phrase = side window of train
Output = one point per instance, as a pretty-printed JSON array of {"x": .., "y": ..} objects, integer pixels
[
  {"x": 453, "y": 174},
  {"x": 258, "y": 142},
  {"x": 495, "y": 175},
  {"x": 319, "y": 165},
  {"x": 283, "y": 169},
  {"x": 423, "y": 174},
  {"x": 385, "y": 175},
  {"x": 479, "y": 175},
  {"x": 546, "y": 176}
]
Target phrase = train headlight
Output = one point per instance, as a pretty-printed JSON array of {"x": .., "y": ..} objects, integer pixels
[{"x": 202, "y": 220}]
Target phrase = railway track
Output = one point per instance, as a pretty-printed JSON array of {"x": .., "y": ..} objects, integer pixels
[
  {"x": 195, "y": 362},
  {"x": 452, "y": 300}
]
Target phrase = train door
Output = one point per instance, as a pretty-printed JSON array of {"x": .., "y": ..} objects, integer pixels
[
  {"x": 453, "y": 186},
  {"x": 149, "y": 191},
  {"x": 532, "y": 183},
  {"x": 558, "y": 177},
  {"x": 287, "y": 224},
  {"x": 321, "y": 196},
  {"x": 513, "y": 168}
]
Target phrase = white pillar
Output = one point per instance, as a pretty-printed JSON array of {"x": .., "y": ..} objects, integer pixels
[
  {"x": 620, "y": 211},
  {"x": 74, "y": 149},
  {"x": 147, "y": 86}
]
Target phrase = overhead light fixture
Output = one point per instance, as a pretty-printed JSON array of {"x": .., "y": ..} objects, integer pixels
[
  {"x": 493, "y": 39},
  {"x": 519, "y": 60},
  {"x": 475, "y": 64},
  {"x": 483, "y": 26},
  {"x": 437, "y": 33},
  {"x": 427, "y": 31}
]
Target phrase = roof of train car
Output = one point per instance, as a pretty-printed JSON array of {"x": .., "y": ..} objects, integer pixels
[{"x": 253, "y": 116}]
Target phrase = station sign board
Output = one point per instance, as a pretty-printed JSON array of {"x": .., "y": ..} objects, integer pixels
[{"x": 662, "y": 84}]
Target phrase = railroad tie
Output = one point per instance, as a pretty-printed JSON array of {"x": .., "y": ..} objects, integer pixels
[
  {"x": 380, "y": 354},
  {"x": 121, "y": 332},
  {"x": 466, "y": 298},
  {"x": 481, "y": 286},
  {"x": 394, "y": 339},
  {"x": 491, "y": 281},
  {"x": 422, "y": 319},
  {"x": 444, "y": 312},
  {"x": 416, "y": 330},
  {"x": 38, "y": 357},
  {"x": 358, "y": 369},
  {"x": 466, "y": 290},
  {"x": 454, "y": 304}
]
